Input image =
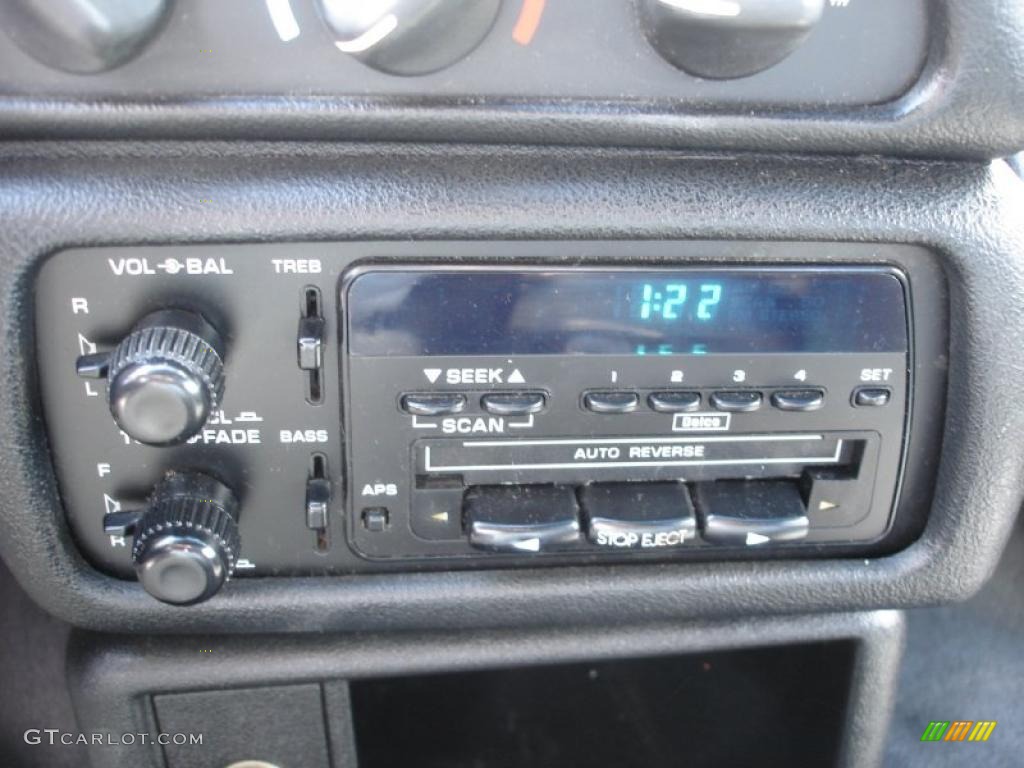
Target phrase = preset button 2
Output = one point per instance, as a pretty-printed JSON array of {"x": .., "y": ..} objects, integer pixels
[{"x": 674, "y": 402}]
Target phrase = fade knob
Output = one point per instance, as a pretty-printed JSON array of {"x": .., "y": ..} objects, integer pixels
[
  {"x": 186, "y": 540},
  {"x": 163, "y": 379}
]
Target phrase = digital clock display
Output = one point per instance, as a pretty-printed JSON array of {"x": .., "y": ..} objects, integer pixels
[
  {"x": 615, "y": 312},
  {"x": 668, "y": 301}
]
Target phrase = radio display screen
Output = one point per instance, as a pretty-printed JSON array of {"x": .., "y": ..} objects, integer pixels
[{"x": 585, "y": 311}]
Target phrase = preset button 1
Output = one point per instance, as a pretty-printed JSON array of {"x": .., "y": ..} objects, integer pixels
[{"x": 611, "y": 402}]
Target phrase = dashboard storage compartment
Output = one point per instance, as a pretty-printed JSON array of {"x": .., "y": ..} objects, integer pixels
[
  {"x": 804, "y": 690},
  {"x": 279, "y": 725},
  {"x": 778, "y": 706}
]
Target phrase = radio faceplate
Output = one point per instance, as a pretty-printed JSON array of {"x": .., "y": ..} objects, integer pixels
[
  {"x": 342, "y": 460},
  {"x": 820, "y": 431}
]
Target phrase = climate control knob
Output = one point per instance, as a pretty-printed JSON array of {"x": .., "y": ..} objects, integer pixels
[
  {"x": 723, "y": 39},
  {"x": 408, "y": 37},
  {"x": 164, "y": 378},
  {"x": 82, "y": 36},
  {"x": 186, "y": 540}
]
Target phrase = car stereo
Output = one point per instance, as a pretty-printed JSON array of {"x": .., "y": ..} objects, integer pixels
[
  {"x": 580, "y": 408},
  {"x": 303, "y": 409}
]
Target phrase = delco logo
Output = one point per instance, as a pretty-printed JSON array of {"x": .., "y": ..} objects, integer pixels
[{"x": 701, "y": 422}]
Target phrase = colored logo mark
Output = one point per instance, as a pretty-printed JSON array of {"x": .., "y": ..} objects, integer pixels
[{"x": 958, "y": 730}]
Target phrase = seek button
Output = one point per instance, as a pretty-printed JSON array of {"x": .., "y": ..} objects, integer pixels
[{"x": 513, "y": 403}]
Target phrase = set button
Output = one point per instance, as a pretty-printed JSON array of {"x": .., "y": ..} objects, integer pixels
[
  {"x": 740, "y": 401},
  {"x": 611, "y": 402},
  {"x": 871, "y": 397}
]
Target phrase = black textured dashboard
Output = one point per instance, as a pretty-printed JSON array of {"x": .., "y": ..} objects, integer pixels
[
  {"x": 285, "y": 192},
  {"x": 490, "y": 351}
]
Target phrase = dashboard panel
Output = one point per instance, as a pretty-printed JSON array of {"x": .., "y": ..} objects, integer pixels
[
  {"x": 350, "y": 207},
  {"x": 609, "y": 49},
  {"x": 922, "y": 78},
  {"x": 509, "y": 381}
]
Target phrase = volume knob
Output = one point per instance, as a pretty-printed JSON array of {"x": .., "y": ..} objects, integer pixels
[
  {"x": 163, "y": 379},
  {"x": 187, "y": 541}
]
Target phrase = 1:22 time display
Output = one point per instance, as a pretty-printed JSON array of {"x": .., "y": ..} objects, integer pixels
[{"x": 667, "y": 302}]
